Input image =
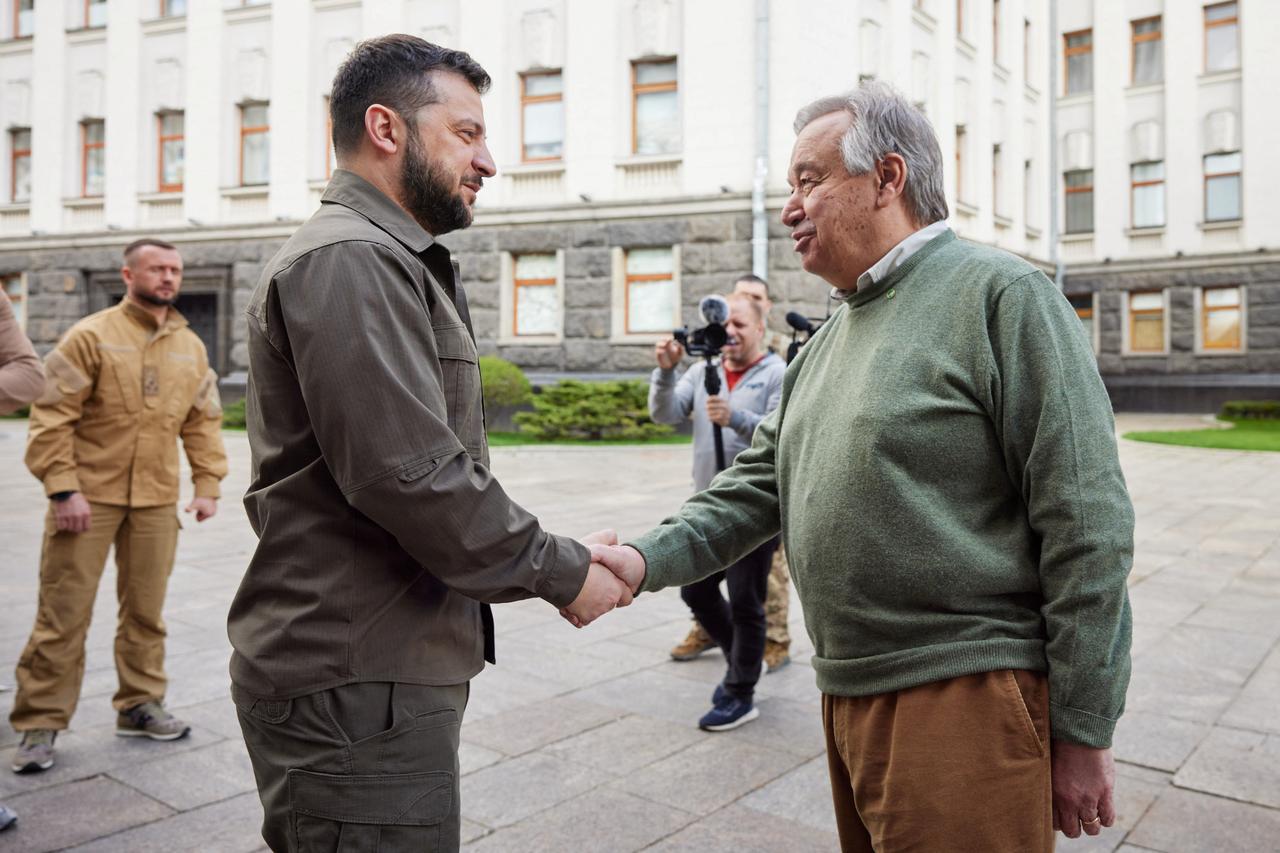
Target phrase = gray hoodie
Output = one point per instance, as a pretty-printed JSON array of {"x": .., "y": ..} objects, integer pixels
[{"x": 673, "y": 399}]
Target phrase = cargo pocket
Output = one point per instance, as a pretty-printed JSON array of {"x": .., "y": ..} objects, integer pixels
[
  {"x": 461, "y": 374},
  {"x": 394, "y": 811}
]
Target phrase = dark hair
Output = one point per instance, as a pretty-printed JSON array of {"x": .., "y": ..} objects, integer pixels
[
  {"x": 146, "y": 241},
  {"x": 749, "y": 278},
  {"x": 393, "y": 71}
]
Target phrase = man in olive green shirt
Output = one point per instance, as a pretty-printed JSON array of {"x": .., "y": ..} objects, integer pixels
[{"x": 382, "y": 533}]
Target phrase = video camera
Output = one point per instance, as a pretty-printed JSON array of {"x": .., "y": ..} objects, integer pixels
[
  {"x": 711, "y": 338},
  {"x": 800, "y": 324}
]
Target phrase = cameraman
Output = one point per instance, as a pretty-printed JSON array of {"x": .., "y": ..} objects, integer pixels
[{"x": 752, "y": 379}]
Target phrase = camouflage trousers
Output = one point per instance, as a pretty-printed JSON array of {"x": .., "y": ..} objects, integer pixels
[{"x": 775, "y": 603}]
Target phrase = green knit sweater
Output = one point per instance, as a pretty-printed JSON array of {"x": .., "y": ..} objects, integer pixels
[{"x": 943, "y": 469}]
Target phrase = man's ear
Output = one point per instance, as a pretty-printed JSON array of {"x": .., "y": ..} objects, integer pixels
[
  {"x": 891, "y": 178},
  {"x": 382, "y": 128}
]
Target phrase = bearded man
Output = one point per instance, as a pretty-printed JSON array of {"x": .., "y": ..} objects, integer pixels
[{"x": 363, "y": 614}]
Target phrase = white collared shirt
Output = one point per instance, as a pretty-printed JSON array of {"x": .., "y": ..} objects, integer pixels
[{"x": 897, "y": 256}]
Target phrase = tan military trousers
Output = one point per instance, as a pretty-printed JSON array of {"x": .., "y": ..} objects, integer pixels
[
  {"x": 51, "y": 668},
  {"x": 776, "y": 601}
]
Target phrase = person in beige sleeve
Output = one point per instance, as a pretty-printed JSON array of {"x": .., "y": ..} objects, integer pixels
[{"x": 122, "y": 386}]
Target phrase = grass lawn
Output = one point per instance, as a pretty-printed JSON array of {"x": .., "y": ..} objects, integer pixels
[
  {"x": 1242, "y": 435},
  {"x": 516, "y": 439}
]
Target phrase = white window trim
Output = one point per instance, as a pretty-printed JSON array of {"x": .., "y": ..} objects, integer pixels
[
  {"x": 20, "y": 310},
  {"x": 1125, "y": 349},
  {"x": 619, "y": 333},
  {"x": 507, "y": 303},
  {"x": 1198, "y": 302}
]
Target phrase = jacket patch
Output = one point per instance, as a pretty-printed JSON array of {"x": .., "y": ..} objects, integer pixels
[
  {"x": 208, "y": 400},
  {"x": 150, "y": 380},
  {"x": 64, "y": 379}
]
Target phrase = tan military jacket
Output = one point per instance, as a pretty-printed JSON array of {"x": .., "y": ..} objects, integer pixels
[{"x": 120, "y": 391}]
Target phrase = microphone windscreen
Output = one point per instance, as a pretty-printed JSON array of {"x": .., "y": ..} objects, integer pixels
[
  {"x": 799, "y": 322},
  {"x": 714, "y": 309}
]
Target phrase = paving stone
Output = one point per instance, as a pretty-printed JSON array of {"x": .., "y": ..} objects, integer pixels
[
  {"x": 1239, "y": 612},
  {"x": 499, "y": 689},
  {"x": 510, "y": 791},
  {"x": 472, "y": 830},
  {"x": 194, "y": 778},
  {"x": 1190, "y": 822},
  {"x": 783, "y": 724},
  {"x": 744, "y": 830},
  {"x": 527, "y": 728},
  {"x": 1237, "y": 764},
  {"x": 216, "y": 716},
  {"x": 1154, "y": 740},
  {"x": 76, "y": 812},
  {"x": 653, "y": 694},
  {"x": 231, "y": 826},
  {"x": 565, "y": 668},
  {"x": 624, "y": 746},
  {"x": 600, "y": 821},
  {"x": 472, "y": 758},
  {"x": 803, "y": 796},
  {"x": 709, "y": 775},
  {"x": 1132, "y": 799}
]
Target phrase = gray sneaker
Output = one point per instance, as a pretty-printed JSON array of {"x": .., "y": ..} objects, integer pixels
[
  {"x": 35, "y": 752},
  {"x": 150, "y": 719}
]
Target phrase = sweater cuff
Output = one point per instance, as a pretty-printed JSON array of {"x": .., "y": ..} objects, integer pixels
[
  {"x": 657, "y": 572},
  {"x": 567, "y": 574},
  {"x": 207, "y": 487},
  {"x": 66, "y": 481},
  {"x": 1076, "y": 726}
]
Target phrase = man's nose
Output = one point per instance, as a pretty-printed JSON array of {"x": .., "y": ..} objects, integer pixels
[
  {"x": 483, "y": 162},
  {"x": 792, "y": 212}
]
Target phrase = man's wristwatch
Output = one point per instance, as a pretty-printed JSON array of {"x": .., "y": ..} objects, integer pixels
[{"x": 60, "y": 496}]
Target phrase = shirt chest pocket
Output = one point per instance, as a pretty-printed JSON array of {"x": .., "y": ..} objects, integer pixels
[
  {"x": 460, "y": 374},
  {"x": 121, "y": 388},
  {"x": 179, "y": 379}
]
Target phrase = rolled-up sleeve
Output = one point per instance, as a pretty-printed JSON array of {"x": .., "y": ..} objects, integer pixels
[
  {"x": 670, "y": 398},
  {"x": 358, "y": 329},
  {"x": 21, "y": 376}
]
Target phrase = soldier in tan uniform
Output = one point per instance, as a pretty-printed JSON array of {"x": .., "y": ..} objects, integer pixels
[
  {"x": 122, "y": 386},
  {"x": 777, "y": 647}
]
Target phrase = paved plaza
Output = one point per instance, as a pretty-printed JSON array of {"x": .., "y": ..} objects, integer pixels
[{"x": 586, "y": 740}]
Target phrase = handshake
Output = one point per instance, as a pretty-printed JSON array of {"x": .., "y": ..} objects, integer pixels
[{"x": 613, "y": 579}]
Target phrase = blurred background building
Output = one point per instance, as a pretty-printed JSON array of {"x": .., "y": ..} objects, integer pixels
[{"x": 642, "y": 148}]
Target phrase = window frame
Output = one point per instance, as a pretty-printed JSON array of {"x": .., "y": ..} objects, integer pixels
[
  {"x": 1133, "y": 189},
  {"x": 1203, "y": 310},
  {"x": 1131, "y": 314},
  {"x": 251, "y": 130},
  {"x": 85, "y": 147},
  {"x": 1069, "y": 190},
  {"x": 1091, "y": 314},
  {"x": 1068, "y": 52},
  {"x": 620, "y": 310},
  {"x": 1136, "y": 38},
  {"x": 960, "y": 33},
  {"x": 161, "y": 139},
  {"x": 517, "y": 283},
  {"x": 17, "y": 16},
  {"x": 1204, "y": 168},
  {"x": 638, "y": 89},
  {"x": 88, "y": 24},
  {"x": 1208, "y": 25},
  {"x": 961, "y": 143},
  {"x": 165, "y": 11},
  {"x": 526, "y": 99},
  {"x": 16, "y": 153}
]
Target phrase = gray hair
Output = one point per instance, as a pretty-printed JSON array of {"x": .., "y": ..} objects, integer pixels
[{"x": 885, "y": 123}]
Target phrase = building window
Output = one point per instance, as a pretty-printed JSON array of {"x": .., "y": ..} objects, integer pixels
[
  {"x": 960, "y": 160},
  {"x": 95, "y": 13},
  {"x": 1082, "y": 304},
  {"x": 1026, "y": 48},
  {"x": 1148, "y": 56},
  {"x": 997, "y": 181},
  {"x": 535, "y": 299},
  {"x": 1222, "y": 187},
  {"x": 960, "y": 18},
  {"x": 1221, "y": 318},
  {"x": 1079, "y": 201},
  {"x": 1079, "y": 59},
  {"x": 24, "y": 18},
  {"x": 20, "y": 165},
  {"x": 1028, "y": 188},
  {"x": 254, "y": 144},
  {"x": 651, "y": 300},
  {"x": 93, "y": 159},
  {"x": 1147, "y": 194},
  {"x": 541, "y": 116},
  {"x": 995, "y": 31},
  {"x": 172, "y": 8},
  {"x": 655, "y": 110},
  {"x": 1221, "y": 37},
  {"x": 1146, "y": 321},
  {"x": 170, "y": 147},
  {"x": 15, "y": 287}
]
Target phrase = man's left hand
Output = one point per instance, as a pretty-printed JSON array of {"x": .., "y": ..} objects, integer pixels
[
  {"x": 204, "y": 508},
  {"x": 718, "y": 411},
  {"x": 1084, "y": 780}
]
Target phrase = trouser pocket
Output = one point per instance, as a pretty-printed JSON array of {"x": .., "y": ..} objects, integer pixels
[{"x": 383, "y": 812}]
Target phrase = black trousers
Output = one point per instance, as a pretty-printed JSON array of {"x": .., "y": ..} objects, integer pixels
[
  {"x": 737, "y": 625},
  {"x": 370, "y": 766}
]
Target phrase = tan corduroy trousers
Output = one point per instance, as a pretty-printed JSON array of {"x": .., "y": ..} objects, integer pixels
[
  {"x": 51, "y": 667},
  {"x": 957, "y": 765}
]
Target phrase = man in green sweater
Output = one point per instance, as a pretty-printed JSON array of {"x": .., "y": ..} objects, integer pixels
[{"x": 943, "y": 470}]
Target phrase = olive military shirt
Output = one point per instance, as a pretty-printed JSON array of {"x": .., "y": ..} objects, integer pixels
[{"x": 380, "y": 528}]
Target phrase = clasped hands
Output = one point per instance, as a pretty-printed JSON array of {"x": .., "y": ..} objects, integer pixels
[{"x": 613, "y": 579}]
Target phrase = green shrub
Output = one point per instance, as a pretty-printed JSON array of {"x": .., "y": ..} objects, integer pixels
[
  {"x": 591, "y": 410},
  {"x": 504, "y": 384},
  {"x": 233, "y": 415},
  {"x": 1250, "y": 410},
  {"x": 24, "y": 412}
]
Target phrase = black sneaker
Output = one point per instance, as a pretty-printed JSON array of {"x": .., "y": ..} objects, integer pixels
[{"x": 729, "y": 713}]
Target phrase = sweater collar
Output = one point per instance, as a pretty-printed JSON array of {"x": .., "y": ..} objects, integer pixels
[{"x": 863, "y": 295}]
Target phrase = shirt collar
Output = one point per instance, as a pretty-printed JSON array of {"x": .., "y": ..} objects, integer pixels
[
  {"x": 140, "y": 315},
  {"x": 898, "y": 255},
  {"x": 350, "y": 190}
]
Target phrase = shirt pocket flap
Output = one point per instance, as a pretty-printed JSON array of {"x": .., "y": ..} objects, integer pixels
[
  {"x": 453, "y": 341},
  {"x": 394, "y": 799}
]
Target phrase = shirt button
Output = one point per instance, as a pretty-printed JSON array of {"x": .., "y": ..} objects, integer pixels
[{"x": 889, "y": 295}]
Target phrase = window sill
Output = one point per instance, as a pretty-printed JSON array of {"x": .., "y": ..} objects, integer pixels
[
  {"x": 1220, "y": 76},
  {"x": 242, "y": 14},
  {"x": 167, "y": 24},
  {"x": 161, "y": 195},
  {"x": 1146, "y": 354},
  {"x": 1002, "y": 221},
  {"x": 639, "y": 337},
  {"x": 924, "y": 19},
  {"x": 1033, "y": 233},
  {"x": 1220, "y": 353},
  {"x": 1221, "y": 225},
  {"x": 1077, "y": 237},
  {"x": 1135, "y": 89},
  {"x": 966, "y": 47},
  {"x": 1000, "y": 72},
  {"x": 21, "y": 44},
  {"x": 1077, "y": 98},
  {"x": 87, "y": 35},
  {"x": 337, "y": 4},
  {"x": 84, "y": 201},
  {"x": 1030, "y": 92},
  {"x": 248, "y": 190},
  {"x": 530, "y": 341},
  {"x": 1153, "y": 231},
  {"x": 640, "y": 160},
  {"x": 966, "y": 208},
  {"x": 536, "y": 167}
]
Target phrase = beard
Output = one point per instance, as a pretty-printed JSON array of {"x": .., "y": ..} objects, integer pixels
[
  {"x": 158, "y": 301},
  {"x": 432, "y": 199}
]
